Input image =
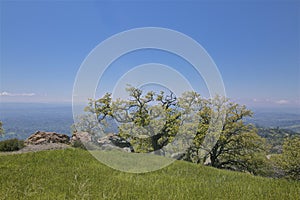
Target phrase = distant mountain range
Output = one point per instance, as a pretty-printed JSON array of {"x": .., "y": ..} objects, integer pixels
[
  {"x": 22, "y": 119},
  {"x": 283, "y": 120}
]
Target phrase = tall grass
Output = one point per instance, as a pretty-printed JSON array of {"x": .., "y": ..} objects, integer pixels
[{"x": 75, "y": 174}]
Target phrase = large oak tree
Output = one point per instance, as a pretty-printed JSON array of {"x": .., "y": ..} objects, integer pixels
[{"x": 150, "y": 121}]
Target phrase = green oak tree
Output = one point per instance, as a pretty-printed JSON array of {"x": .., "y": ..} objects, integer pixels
[
  {"x": 148, "y": 121},
  {"x": 209, "y": 131},
  {"x": 1, "y": 129},
  {"x": 222, "y": 139},
  {"x": 289, "y": 160}
]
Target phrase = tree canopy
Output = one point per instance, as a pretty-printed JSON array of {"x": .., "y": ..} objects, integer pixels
[
  {"x": 216, "y": 128},
  {"x": 1, "y": 128},
  {"x": 289, "y": 160}
]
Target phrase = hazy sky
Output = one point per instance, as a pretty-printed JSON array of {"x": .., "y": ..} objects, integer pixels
[{"x": 255, "y": 44}]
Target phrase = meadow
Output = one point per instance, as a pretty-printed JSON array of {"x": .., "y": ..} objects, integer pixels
[{"x": 76, "y": 174}]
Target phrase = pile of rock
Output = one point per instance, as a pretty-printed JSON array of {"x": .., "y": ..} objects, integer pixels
[
  {"x": 112, "y": 141},
  {"x": 83, "y": 137},
  {"x": 109, "y": 142},
  {"x": 41, "y": 137}
]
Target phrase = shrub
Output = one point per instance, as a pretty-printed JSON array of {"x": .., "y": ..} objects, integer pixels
[{"x": 11, "y": 145}]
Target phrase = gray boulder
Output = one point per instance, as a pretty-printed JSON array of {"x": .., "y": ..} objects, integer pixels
[
  {"x": 83, "y": 137},
  {"x": 113, "y": 141},
  {"x": 178, "y": 155}
]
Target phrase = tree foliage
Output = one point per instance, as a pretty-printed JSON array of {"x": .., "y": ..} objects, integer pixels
[
  {"x": 215, "y": 126},
  {"x": 1, "y": 129},
  {"x": 148, "y": 121},
  {"x": 289, "y": 160},
  {"x": 236, "y": 145}
]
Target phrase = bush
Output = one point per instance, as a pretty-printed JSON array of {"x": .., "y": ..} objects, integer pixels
[{"x": 11, "y": 145}]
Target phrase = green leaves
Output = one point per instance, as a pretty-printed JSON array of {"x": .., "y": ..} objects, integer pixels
[
  {"x": 101, "y": 107},
  {"x": 1, "y": 129},
  {"x": 211, "y": 131},
  {"x": 289, "y": 160},
  {"x": 235, "y": 143},
  {"x": 149, "y": 121}
]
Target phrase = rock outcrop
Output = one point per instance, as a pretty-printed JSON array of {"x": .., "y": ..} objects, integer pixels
[
  {"x": 83, "y": 137},
  {"x": 178, "y": 155},
  {"x": 112, "y": 141},
  {"x": 41, "y": 137}
]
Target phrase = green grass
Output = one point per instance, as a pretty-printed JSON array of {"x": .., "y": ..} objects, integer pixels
[{"x": 75, "y": 174}]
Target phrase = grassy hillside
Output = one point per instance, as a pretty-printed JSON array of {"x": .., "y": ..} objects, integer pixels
[{"x": 75, "y": 174}]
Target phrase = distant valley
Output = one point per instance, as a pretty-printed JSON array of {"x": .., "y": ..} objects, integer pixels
[{"x": 22, "y": 119}]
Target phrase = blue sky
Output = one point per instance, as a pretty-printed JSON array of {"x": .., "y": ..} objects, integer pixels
[{"x": 255, "y": 44}]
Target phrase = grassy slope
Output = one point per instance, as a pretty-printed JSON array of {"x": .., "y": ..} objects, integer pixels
[{"x": 75, "y": 174}]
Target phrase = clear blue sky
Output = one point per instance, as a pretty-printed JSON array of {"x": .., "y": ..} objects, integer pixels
[{"x": 256, "y": 45}]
